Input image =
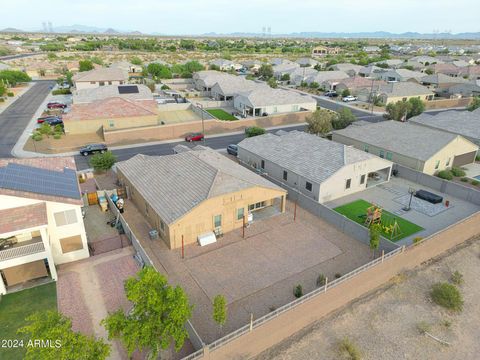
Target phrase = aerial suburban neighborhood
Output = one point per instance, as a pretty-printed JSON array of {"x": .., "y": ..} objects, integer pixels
[{"x": 261, "y": 186}]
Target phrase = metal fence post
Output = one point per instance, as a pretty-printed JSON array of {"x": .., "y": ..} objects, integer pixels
[
  {"x": 251, "y": 321},
  {"x": 383, "y": 255},
  {"x": 326, "y": 284}
]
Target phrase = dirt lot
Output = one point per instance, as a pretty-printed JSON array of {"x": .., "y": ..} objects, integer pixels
[{"x": 383, "y": 325}]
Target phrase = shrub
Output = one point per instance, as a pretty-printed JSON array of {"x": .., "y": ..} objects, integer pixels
[
  {"x": 10, "y": 94},
  {"x": 445, "y": 174},
  {"x": 61, "y": 92},
  {"x": 57, "y": 136},
  {"x": 272, "y": 308},
  {"x": 321, "y": 280},
  {"x": 338, "y": 276},
  {"x": 477, "y": 158},
  {"x": 349, "y": 350},
  {"x": 298, "y": 291},
  {"x": 475, "y": 182},
  {"x": 457, "y": 278},
  {"x": 254, "y": 131},
  {"x": 417, "y": 239},
  {"x": 447, "y": 295},
  {"x": 456, "y": 171},
  {"x": 165, "y": 87},
  {"x": 2, "y": 100},
  {"x": 103, "y": 162},
  {"x": 464, "y": 179},
  {"x": 37, "y": 136}
]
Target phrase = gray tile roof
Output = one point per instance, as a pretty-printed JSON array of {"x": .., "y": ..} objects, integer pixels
[
  {"x": 175, "y": 184},
  {"x": 411, "y": 140},
  {"x": 465, "y": 123},
  {"x": 442, "y": 79},
  {"x": 307, "y": 155},
  {"x": 404, "y": 88},
  {"x": 266, "y": 96}
]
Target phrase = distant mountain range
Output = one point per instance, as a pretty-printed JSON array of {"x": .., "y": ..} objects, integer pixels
[{"x": 83, "y": 29}]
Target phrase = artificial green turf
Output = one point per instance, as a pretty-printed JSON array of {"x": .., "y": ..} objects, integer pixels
[
  {"x": 15, "y": 307},
  {"x": 221, "y": 114},
  {"x": 356, "y": 209}
]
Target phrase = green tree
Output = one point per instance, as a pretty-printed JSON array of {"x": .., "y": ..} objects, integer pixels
[
  {"x": 272, "y": 83},
  {"x": 45, "y": 129},
  {"x": 135, "y": 60},
  {"x": 345, "y": 93},
  {"x": 72, "y": 345},
  {"x": 220, "y": 310},
  {"x": 398, "y": 111},
  {"x": 417, "y": 107},
  {"x": 344, "y": 118},
  {"x": 265, "y": 71},
  {"x": 374, "y": 232},
  {"x": 157, "y": 318},
  {"x": 320, "y": 122},
  {"x": 286, "y": 77},
  {"x": 254, "y": 131},
  {"x": 103, "y": 162},
  {"x": 85, "y": 65},
  {"x": 193, "y": 66},
  {"x": 429, "y": 71},
  {"x": 13, "y": 77},
  {"x": 475, "y": 104},
  {"x": 159, "y": 71},
  {"x": 214, "y": 67},
  {"x": 3, "y": 89}
]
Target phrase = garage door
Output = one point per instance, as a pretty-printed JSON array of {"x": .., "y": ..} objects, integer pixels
[
  {"x": 21, "y": 273},
  {"x": 464, "y": 159}
]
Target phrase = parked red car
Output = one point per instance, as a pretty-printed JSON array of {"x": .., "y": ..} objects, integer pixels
[
  {"x": 194, "y": 137},
  {"x": 42, "y": 119},
  {"x": 56, "y": 105}
]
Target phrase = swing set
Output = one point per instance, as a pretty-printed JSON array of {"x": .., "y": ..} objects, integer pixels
[{"x": 389, "y": 226}]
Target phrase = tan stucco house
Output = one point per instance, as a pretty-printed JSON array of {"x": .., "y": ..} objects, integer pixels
[
  {"x": 195, "y": 193},
  {"x": 41, "y": 222},
  {"x": 99, "y": 77},
  {"x": 417, "y": 147}
]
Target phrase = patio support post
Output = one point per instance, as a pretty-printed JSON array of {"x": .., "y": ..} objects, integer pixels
[
  {"x": 183, "y": 249},
  {"x": 3, "y": 289},
  {"x": 48, "y": 249},
  {"x": 295, "y": 211},
  {"x": 243, "y": 227}
]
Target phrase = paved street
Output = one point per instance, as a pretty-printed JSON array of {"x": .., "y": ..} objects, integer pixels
[
  {"x": 337, "y": 105},
  {"x": 220, "y": 142},
  {"x": 15, "y": 118}
]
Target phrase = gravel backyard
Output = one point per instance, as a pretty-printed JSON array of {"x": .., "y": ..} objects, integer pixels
[{"x": 383, "y": 325}]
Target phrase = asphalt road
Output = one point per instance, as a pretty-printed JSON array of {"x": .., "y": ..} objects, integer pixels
[
  {"x": 360, "y": 115},
  {"x": 18, "y": 56},
  {"x": 217, "y": 143},
  {"x": 15, "y": 118}
]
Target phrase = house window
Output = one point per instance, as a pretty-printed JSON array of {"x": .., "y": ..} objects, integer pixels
[
  {"x": 365, "y": 148},
  {"x": 162, "y": 226},
  {"x": 217, "y": 221},
  {"x": 382, "y": 154},
  {"x": 109, "y": 83},
  {"x": 65, "y": 217},
  {"x": 308, "y": 186},
  {"x": 111, "y": 123},
  {"x": 348, "y": 183},
  {"x": 389, "y": 156},
  {"x": 262, "y": 164},
  {"x": 240, "y": 213},
  {"x": 362, "y": 179},
  {"x": 92, "y": 82},
  {"x": 295, "y": 108},
  {"x": 251, "y": 207},
  {"x": 102, "y": 83},
  {"x": 285, "y": 175},
  {"x": 72, "y": 243},
  {"x": 275, "y": 109},
  {"x": 448, "y": 162},
  {"x": 437, "y": 164}
]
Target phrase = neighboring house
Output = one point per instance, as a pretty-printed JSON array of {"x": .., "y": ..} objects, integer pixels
[
  {"x": 416, "y": 66},
  {"x": 316, "y": 167},
  {"x": 355, "y": 84},
  {"x": 440, "y": 83},
  {"x": 301, "y": 74},
  {"x": 194, "y": 193},
  {"x": 464, "y": 123},
  {"x": 401, "y": 91},
  {"x": 131, "y": 92},
  {"x": 400, "y": 75},
  {"x": 265, "y": 100},
  {"x": 99, "y": 77},
  {"x": 41, "y": 222},
  {"x": 307, "y": 62},
  {"x": 392, "y": 63},
  {"x": 464, "y": 90},
  {"x": 370, "y": 71},
  {"x": 252, "y": 65},
  {"x": 446, "y": 69},
  {"x": 470, "y": 72},
  {"x": 320, "y": 51},
  {"x": 371, "y": 49},
  {"x": 226, "y": 88},
  {"x": 350, "y": 69},
  {"x": 426, "y": 60},
  {"x": 417, "y": 147},
  {"x": 132, "y": 69},
  {"x": 110, "y": 114},
  {"x": 204, "y": 80},
  {"x": 322, "y": 77},
  {"x": 285, "y": 68},
  {"x": 226, "y": 65}
]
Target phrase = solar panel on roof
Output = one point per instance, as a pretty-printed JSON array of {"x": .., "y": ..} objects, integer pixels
[
  {"x": 41, "y": 181},
  {"x": 128, "y": 89}
]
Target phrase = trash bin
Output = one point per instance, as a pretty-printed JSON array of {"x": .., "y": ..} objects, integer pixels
[{"x": 153, "y": 234}]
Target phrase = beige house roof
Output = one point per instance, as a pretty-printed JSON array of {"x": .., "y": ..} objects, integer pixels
[
  {"x": 173, "y": 185},
  {"x": 101, "y": 74},
  {"x": 135, "y": 92}
]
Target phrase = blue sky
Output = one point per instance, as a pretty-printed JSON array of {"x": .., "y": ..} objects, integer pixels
[{"x": 224, "y": 16}]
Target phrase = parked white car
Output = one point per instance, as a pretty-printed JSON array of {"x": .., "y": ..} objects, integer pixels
[{"x": 349, "y": 98}]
